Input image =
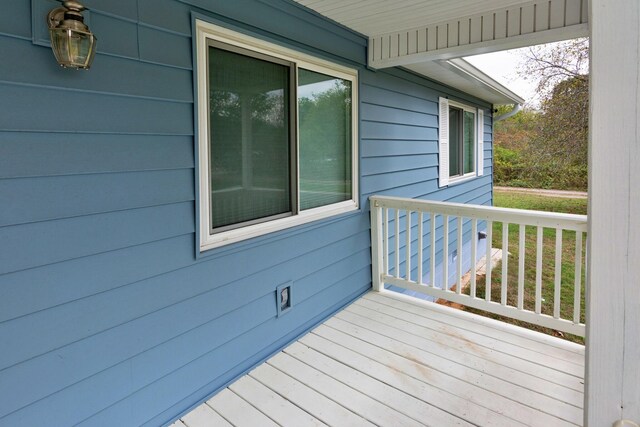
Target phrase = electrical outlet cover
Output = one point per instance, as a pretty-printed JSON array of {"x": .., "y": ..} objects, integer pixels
[{"x": 284, "y": 300}]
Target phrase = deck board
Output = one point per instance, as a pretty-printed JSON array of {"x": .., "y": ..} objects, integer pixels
[
  {"x": 479, "y": 343},
  {"x": 447, "y": 347},
  {"x": 386, "y": 360},
  {"x": 376, "y": 389},
  {"x": 306, "y": 398},
  {"x": 558, "y": 348},
  {"x": 352, "y": 399},
  {"x": 238, "y": 411},
  {"x": 454, "y": 405},
  {"x": 486, "y": 390},
  {"x": 465, "y": 342},
  {"x": 272, "y": 404},
  {"x": 203, "y": 415}
]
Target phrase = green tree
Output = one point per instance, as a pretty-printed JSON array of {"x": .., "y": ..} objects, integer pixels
[
  {"x": 548, "y": 148},
  {"x": 548, "y": 65},
  {"x": 322, "y": 146},
  {"x": 565, "y": 120},
  {"x": 562, "y": 73},
  {"x": 514, "y": 139}
]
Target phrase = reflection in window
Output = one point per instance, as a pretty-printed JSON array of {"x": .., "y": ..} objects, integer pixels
[
  {"x": 462, "y": 140},
  {"x": 324, "y": 114}
]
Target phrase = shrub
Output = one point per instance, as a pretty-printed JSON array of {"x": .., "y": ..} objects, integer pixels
[{"x": 507, "y": 165}]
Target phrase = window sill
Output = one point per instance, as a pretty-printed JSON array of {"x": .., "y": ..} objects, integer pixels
[
  {"x": 461, "y": 179},
  {"x": 211, "y": 241}
]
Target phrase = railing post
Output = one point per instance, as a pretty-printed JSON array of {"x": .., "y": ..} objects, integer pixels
[{"x": 376, "y": 246}]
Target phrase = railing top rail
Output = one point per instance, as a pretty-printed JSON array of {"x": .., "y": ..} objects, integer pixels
[{"x": 489, "y": 213}]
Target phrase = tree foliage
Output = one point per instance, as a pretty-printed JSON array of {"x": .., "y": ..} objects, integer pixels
[
  {"x": 565, "y": 121},
  {"x": 323, "y": 147},
  {"x": 550, "y": 64},
  {"x": 547, "y": 148}
]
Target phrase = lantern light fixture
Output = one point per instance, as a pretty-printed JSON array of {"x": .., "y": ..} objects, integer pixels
[{"x": 73, "y": 44}]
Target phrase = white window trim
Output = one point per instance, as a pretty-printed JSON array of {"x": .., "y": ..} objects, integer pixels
[
  {"x": 206, "y": 31},
  {"x": 461, "y": 178},
  {"x": 480, "y": 143},
  {"x": 445, "y": 179}
]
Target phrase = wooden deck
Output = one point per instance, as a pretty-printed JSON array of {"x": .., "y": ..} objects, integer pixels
[{"x": 389, "y": 360}]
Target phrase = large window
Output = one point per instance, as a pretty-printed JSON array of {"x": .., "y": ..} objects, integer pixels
[
  {"x": 461, "y": 148},
  {"x": 277, "y": 132}
]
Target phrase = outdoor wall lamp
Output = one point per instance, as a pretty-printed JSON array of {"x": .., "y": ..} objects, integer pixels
[{"x": 73, "y": 44}]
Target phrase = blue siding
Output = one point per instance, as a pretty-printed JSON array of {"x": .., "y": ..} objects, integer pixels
[
  {"x": 26, "y": 154},
  {"x": 18, "y": 22},
  {"x": 143, "y": 80},
  {"x": 107, "y": 317},
  {"x": 400, "y": 156},
  {"x": 75, "y": 195},
  {"x": 399, "y": 150}
]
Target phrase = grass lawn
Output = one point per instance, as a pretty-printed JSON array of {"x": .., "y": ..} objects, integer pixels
[
  {"x": 535, "y": 202},
  {"x": 541, "y": 203}
]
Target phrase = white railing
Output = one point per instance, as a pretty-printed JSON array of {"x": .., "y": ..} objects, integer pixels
[{"x": 438, "y": 230}]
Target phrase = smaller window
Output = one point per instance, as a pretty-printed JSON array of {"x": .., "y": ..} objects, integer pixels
[{"x": 460, "y": 142}]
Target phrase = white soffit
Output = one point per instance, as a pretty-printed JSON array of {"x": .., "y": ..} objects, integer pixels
[
  {"x": 371, "y": 17},
  {"x": 403, "y": 32}
]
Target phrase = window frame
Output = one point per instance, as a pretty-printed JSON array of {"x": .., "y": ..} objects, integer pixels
[
  {"x": 292, "y": 126},
  {"x": 464, "y": 176},
  {"x": 444, "y": 148},
  {"x": 207, "y": 33}
]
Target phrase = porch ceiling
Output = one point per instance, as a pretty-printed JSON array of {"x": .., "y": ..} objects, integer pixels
[
  {"x": 371, "y": 17},
  {"x": 413, "y": 32}
]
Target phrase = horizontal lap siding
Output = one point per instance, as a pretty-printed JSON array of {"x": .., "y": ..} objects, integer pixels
[
  {"x": 18, "y": 22},
  {"x": 181, "y": 327},
  {"x": 399, "y": 139},
  {"x": 143, "y": 80},
  {"x": 399, "y": 150},
  {"x": 90, "y": 112},
  {"x": 106, "y": 315},
  {"x": 27, "y": 154},
  {"x": 79, "y": 195}
]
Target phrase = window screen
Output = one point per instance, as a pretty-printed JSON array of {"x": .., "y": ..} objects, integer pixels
[{"x": 250, "y": 138}]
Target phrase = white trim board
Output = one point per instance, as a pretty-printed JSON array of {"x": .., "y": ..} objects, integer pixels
[{"x": 613, "y": 284}]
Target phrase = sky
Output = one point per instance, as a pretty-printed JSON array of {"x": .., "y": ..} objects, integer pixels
[{"x": 502, "y": 66}]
